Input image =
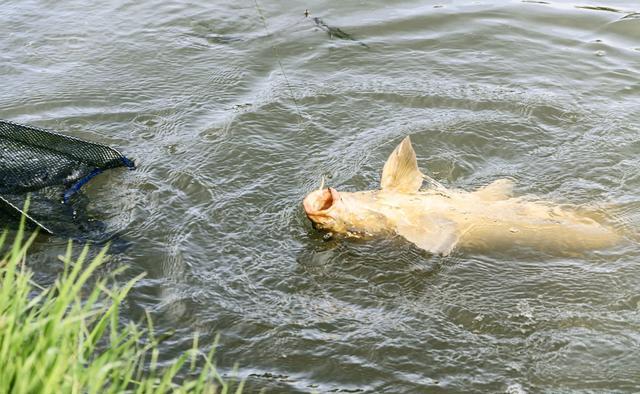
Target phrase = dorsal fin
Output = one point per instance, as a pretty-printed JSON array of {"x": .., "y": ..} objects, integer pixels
[{"x": 400, "y": 172}]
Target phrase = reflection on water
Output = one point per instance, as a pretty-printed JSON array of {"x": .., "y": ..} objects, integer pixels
[{"x": 545, "y": 93}]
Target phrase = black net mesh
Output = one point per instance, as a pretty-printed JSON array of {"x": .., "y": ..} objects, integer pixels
[{"x": 49, "y": 167}]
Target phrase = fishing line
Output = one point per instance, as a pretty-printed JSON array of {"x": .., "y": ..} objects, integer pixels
[{"x": 274, "y": 47}]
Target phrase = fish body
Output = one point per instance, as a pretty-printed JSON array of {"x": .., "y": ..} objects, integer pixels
[
  {"x": 439, "y": 220},
  {"x": 336, "y": 32}
]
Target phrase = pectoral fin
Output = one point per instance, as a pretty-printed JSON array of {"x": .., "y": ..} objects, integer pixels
[
  {"x": 502, "y": 189},
  {"x": 400, "y": 172},
  {"x": 435, "y": 235}
]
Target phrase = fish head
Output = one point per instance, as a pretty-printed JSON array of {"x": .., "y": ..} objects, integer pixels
[
  {"x": 326, "y": 210},
  {"x": 355, "y": 215},
  {"x": 360, "y": 214}
]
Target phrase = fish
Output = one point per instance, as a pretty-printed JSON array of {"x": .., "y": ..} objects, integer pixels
[
  {"x": 440, "y": 220},
  {"x": 335, "y": 31}
]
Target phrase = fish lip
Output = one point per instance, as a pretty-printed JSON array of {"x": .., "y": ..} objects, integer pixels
[
  {"x": 318, "y": 203},
  {"x": 334, "y": 195}
]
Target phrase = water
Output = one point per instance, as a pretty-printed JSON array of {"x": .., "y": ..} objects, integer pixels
[{"x": 546, "y": 93}]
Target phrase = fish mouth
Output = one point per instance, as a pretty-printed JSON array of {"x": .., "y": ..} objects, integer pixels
[{"x": 317, "y": 203}]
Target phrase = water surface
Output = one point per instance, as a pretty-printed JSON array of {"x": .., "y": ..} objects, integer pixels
[{"x": 227, "y": 145}]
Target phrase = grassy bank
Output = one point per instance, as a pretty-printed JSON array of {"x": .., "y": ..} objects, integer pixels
[{"x": 67, "y": 338}]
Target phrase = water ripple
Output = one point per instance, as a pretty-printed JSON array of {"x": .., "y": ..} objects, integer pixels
[{"x": 227, "y": 145}]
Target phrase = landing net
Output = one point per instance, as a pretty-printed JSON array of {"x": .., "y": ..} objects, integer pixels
[{"x": 51, "y": 168}]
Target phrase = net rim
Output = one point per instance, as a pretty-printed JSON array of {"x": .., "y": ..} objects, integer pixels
[{"x": 49, "y": 131}]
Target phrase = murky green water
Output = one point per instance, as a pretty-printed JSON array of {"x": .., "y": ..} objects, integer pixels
[{"x": 545, "y": 93}]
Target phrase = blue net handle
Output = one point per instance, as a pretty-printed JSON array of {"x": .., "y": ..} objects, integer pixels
[{"x": 84, "y": 180}]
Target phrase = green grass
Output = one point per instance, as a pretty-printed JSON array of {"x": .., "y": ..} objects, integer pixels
[{"x": 68, "y": 338}]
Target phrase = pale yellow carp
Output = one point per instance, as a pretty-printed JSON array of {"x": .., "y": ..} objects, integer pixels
[{"x": 438, "y": 220}]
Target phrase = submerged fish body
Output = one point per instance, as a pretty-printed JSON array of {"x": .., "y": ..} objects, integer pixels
[
  {"x": 439, "y": 220},
  {"x": 336, "y": 32}
]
